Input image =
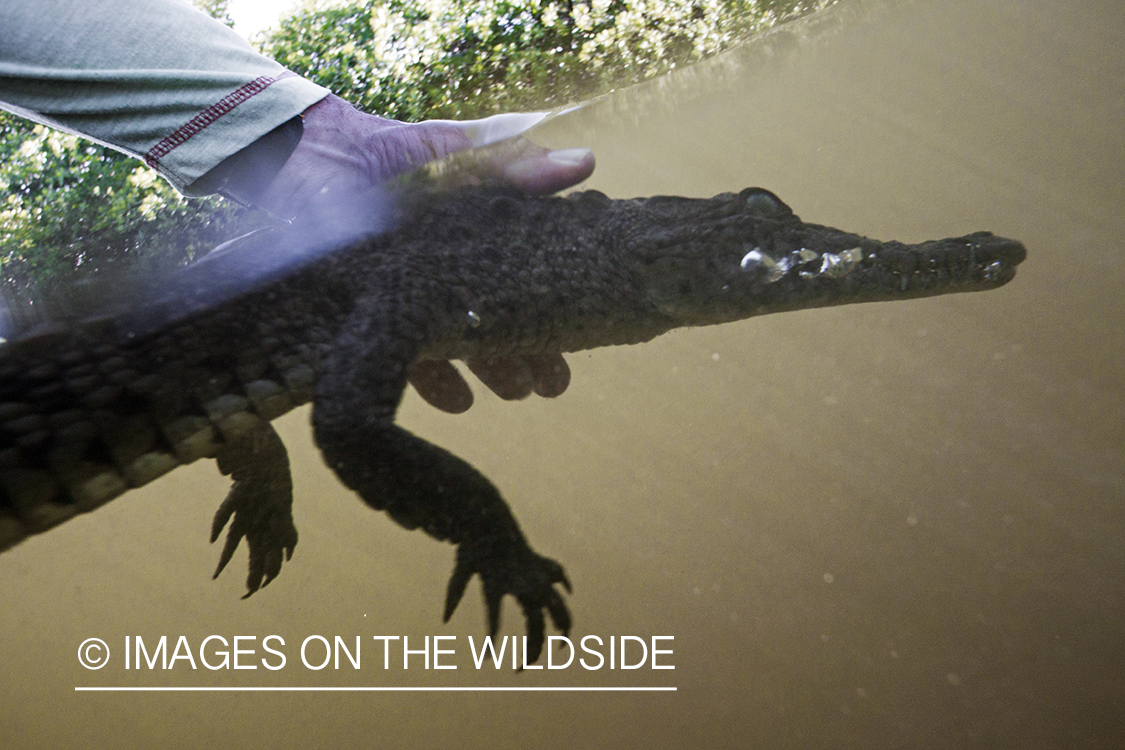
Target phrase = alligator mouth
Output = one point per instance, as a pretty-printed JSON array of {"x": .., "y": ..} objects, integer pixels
[
  {"x": 1008, "y": 253},
  {"x": 867, "y": 270},
  {"x": 976, "y": 261}
]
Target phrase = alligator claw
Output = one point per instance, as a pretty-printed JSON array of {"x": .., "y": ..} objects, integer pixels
[
  {"x": 259, "y": 505},
  {"x": 268, "y": 530},
  {"x": 527, "y": 576}
]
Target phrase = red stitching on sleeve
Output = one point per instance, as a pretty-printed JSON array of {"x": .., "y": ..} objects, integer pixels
[{"x": 210, "y": 115}]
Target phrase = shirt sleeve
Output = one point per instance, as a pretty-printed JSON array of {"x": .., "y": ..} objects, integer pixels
[{"x": 157, "y": 79}]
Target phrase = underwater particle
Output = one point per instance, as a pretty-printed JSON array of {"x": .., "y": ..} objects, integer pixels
[{"x": 474, "y": 320}]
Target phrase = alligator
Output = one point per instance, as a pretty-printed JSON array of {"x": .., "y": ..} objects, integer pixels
[{"x": 93, "y": 408}]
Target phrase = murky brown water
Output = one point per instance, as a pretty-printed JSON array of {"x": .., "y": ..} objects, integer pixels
[{"x": 882, "y": 526}]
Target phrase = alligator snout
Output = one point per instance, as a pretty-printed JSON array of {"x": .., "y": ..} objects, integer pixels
[{"x": 999, "y": 256}]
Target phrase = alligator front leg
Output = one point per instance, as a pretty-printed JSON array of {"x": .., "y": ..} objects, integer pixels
[
  {"x": 260, "y": 503},
  {"x": 422, "y": 486}
]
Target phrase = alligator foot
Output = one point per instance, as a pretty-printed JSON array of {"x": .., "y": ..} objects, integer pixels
[
  {"x": 505, "y": 568},
  {"x": 260, "y": 503}
]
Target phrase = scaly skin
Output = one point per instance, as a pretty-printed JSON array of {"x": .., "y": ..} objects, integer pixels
[{"x": 92, "y": 409}]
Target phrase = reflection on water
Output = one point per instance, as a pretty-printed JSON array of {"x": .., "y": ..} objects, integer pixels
[{"x": 879, "y": 526}]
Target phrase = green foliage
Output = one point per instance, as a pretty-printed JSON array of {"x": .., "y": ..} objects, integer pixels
[
  {"x": 68, "y": 204},
  {"x": 217, "y": 9},
  {"x": 413, "y": 59}
]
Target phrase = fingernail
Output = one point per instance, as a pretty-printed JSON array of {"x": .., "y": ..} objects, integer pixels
[{"x": 569, "y": 156}]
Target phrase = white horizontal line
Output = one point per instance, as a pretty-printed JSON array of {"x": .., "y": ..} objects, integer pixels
[{"x": 138, "y": 689}]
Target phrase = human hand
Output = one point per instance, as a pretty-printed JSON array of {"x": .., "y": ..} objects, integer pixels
[{"x": 345, "y": 154}]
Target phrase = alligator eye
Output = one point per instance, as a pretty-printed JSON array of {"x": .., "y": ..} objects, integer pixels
[{"x": 762, "y": 202}]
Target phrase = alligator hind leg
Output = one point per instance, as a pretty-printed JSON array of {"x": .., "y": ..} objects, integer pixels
[{"x": 260, "y": 503}]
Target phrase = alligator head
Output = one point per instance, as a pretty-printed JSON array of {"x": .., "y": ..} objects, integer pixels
[{"x": 739, "y": 255}]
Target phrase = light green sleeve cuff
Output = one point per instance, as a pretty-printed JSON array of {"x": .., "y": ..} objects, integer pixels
[
  {"x": 221, "y": 130},
  {"x": 157, "y": 79}
]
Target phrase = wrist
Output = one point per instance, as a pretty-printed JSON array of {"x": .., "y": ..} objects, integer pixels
[{"x": 245, "y": 175}]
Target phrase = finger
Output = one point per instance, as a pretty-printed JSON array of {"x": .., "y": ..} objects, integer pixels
[
  {"x": 550, "y": 171},
  {"x": 441, "y": 386},
  {"x": 550, "y": 373},
  {"x": 510, "y": 378},
  {"x": 519, "y": 162},
  {"x": 497, "y": 128}
]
